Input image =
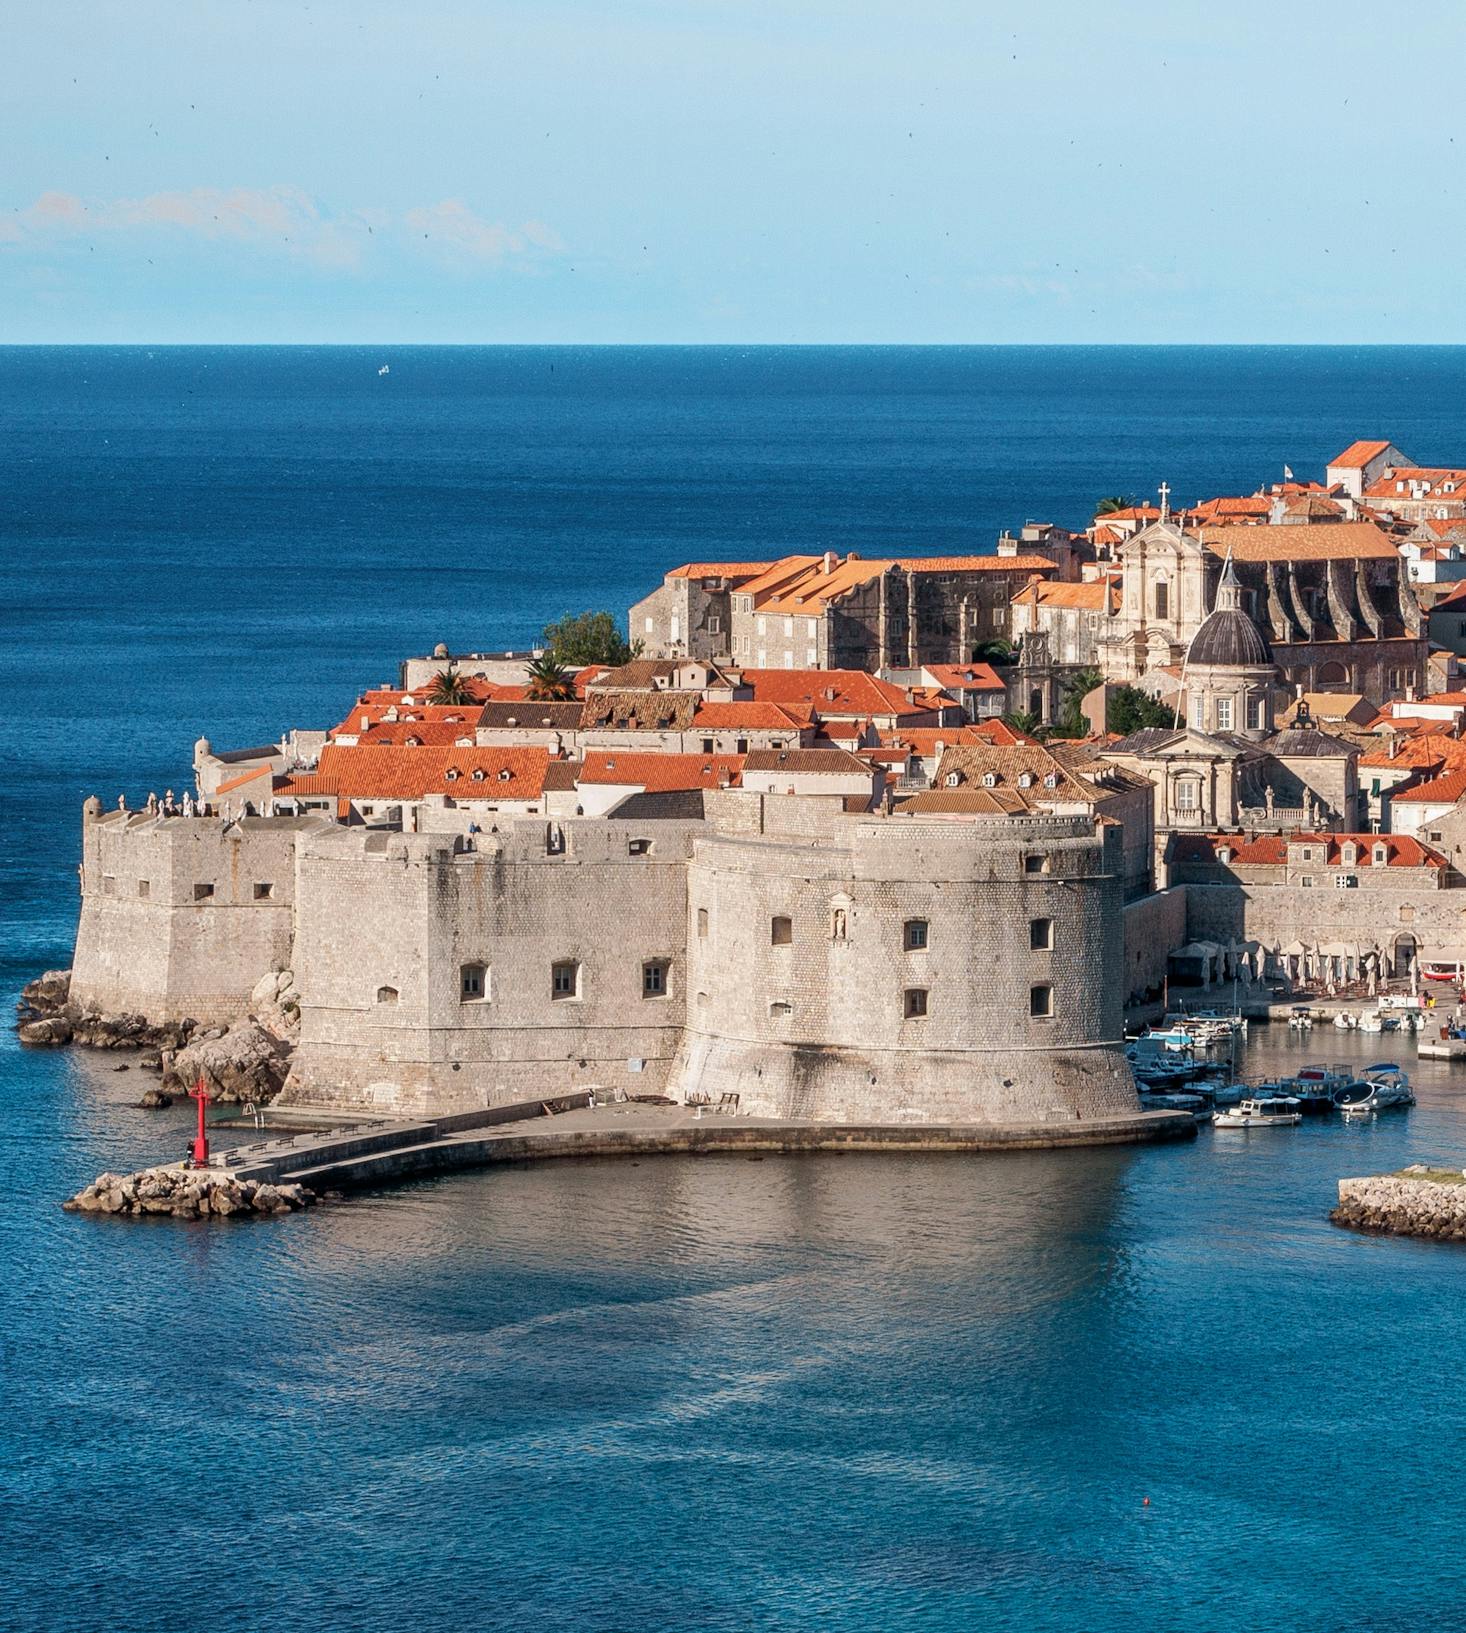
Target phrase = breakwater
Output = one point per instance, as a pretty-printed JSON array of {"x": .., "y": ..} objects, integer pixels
[{"x": 1417, "y": 1201}]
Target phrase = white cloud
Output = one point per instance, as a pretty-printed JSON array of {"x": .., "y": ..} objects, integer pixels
[{"x": 285, "y": 220}]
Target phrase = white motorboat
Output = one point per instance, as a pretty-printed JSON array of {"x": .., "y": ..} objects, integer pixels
[
  {"x": 1375, "y": 1020},
  {"x": 1280, "y": 1112},
  {"x": 1345, "y": 1021},
  {"x": 1384, "y": 1087},
  {"x": 1300, "y": 1018}
]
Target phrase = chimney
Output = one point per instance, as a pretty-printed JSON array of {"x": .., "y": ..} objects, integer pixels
[
  {"x": 830, "y": 560},
  {"x": 1394, "y": 745}
]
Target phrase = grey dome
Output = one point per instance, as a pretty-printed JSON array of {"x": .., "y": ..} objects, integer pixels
[{"x": 1230, "y": 640}]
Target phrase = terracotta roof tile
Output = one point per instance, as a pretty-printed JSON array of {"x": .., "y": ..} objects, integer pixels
[
  {"x": 1299, "y": 541},
  {"x": 1357, "y": 455},
  {"x": 412, "y": 773},
  {"x": 659, "y": 773}
]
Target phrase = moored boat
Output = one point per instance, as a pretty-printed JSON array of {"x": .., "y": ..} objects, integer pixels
[
  {"x": 1384, "y": 1086},
  {"x": 1281, "y": 1111}
]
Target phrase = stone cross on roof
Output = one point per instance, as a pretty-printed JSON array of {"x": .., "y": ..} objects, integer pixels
[{"x": 1165, "y": 493}]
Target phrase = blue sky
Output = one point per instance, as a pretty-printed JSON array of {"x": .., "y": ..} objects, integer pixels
[{"x": 821, "y": 170}]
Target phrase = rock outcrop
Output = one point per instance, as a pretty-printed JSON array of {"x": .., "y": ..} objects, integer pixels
[
  {"x": 48, "y": 1018},
  {"x": 187, "y": 1193},
  {"x": 275, "y": 1005},
  {"x": 1418, "y": 1201},
  {"x": 244, "y": 1063}
]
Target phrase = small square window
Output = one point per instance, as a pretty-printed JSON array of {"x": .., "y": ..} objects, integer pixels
[
  {"x": 916, "y": 935},
  {"x": 473, "y": 983},
  {"x": 654, "y": 978},
  {"x": 781, "y": 931},
  {"x": 707, "y": 745},
  {"x": 1041, "y": 1002},
  {"x": 1041, "y": 935},
  {"x": 1033, "y": 863},
  {"x": 914, "y": 1005},
  {"x": 144, "y": 889},
  {"x": 263, "y": 892},
  {"x": 638, "y": 847},
  {"x": 202, "y": 893},
  {"x": 565, "y": 980},
  {"x": 109, "y": 884}
]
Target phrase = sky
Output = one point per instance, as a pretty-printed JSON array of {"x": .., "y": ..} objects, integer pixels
[{"x": 933, "y": 171}]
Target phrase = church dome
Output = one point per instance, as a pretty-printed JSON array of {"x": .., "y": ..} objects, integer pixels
[{"x": 1228, "y": 638}]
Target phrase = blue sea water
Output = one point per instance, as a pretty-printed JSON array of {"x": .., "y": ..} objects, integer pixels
[{"x": 836, "y": 1393}]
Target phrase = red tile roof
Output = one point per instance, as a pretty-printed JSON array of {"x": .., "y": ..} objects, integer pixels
[
  {"x": 244, "y": 777},
  {"x": 719, "y": 569},
  {"x": 753, "y": 716},
  {"x": 1357, "y": 455},
  {"x": 428, "y": 733},
  {"x": 659, "y": 773},
  {"x": 1272, "y": 849},
  {"x": 966, "y": 677},
  {"x": 383, "y": 772},
  {"x": 849, "y": 692},
  {"x": 1445, "y": 789}
]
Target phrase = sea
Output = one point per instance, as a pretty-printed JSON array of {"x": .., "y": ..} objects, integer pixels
[{"x": 1090, "y": 1391}]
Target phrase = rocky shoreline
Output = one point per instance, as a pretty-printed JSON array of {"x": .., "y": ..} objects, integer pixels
[
  {"x": 1418, "y": 1201},
  {"x": 247, "y": 1061},
  {"x": 185, "y": 1193}
]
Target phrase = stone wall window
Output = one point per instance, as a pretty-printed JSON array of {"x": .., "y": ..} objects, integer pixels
[
  {"x": 565, "y": 980},
  {"x": 915, "y": 935},
  {"x": 263, "y": 892},
  {"x": 1187, "y": 794},
  {"x": 702, "y": 923},
  {"x": 1162, "y": 598},
  {"x": 1041, "y": 1002},
  {"x": 203, "y": 893},
  {"x": 781, "y": 931},
  {"x": 638, "y": 847},
  {"x": 914, "y": 1003},
  {"x": 386, "y": 995},
  {"x": 779, "y": 1007},
  {"x": 109, "y": 884},
  {"x": 1256, "y": 719},
  {"x": 1034, "y": 862},
  {"x": 144, "y": 889},
  {"x": 473, "y": 983},
  {"x": 1224, "y": 714},
  {"x": 1041, "y": 935},
  {"x": 655, "y": 978},
  {"x": 707, "y": 745}
]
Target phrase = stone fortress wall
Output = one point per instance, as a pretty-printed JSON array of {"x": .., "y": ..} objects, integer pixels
[
  {"x": 180, "y": 916},
  {"x": 427, "y": 969},
  {"x": 806, "y": 957},
  {"x": 427, "y": 962}
]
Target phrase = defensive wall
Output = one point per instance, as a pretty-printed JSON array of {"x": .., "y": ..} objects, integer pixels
[
  {"x": 180, "y": 916},
  {"x": 1154, "y": 927},
  {"x": 908, "y": 971}
]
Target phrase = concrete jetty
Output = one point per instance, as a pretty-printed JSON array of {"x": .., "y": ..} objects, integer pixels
[{"x": 371, "y": 1154}]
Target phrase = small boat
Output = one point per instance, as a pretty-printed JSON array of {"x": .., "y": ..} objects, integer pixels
[
  {"x": 384, "y": 370},
  {"x": 1345, "y": 1021},
  {"x": 1377, "y": 1021},
  {"x": 1174, "y": 1040},
  {"x": 1384, "y": 1087},
  {"x": 1281, "y": 1111},
  {"x": 1300, "y": 1018}
]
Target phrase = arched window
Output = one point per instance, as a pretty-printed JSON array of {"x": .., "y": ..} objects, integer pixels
[{"x": 386, "y": 995}]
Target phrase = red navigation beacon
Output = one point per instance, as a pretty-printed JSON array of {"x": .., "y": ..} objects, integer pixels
[{"x": 198, "y": 1151}]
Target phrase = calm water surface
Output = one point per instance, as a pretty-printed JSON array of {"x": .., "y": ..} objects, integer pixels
[{"x": 843, "y": 1393}]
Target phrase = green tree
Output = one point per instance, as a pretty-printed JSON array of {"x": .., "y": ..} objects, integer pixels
[
  {"x": 1113, "y": 501},
  {"x": 587, "y": 637},
  {"x": 1130, "y": 709},
  {"x": 1022, "y": 720},
  {"x": 1070, "y": 721},
  {"x": 550, "y": 681},
  {"x": 448, "y": 686},
  {"x": 997, "y": 651}
]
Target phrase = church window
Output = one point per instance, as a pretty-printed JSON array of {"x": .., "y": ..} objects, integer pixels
[
  {"x": 914, "y": 1003},
  {"x": 473, "y": 983},
  {"x": 914, "y": 935},
  {"x": 1188, "y": 794},
  {"x": 1255, "y": 716},
  {"x": 1041, "y": 1002},
  {"x": 1198, "y": 712},
  {"x": 1162, "y": 598},
  {"x": 1224, "y": 714},
  {"x": 781, "y": 931}
]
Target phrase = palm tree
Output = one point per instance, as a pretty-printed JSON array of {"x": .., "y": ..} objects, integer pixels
[
  {"x": 1113, "y": 501},
  {"x": 550, "y": 681},
  {"x": 448, "y": 686}
]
